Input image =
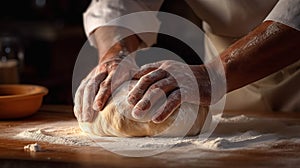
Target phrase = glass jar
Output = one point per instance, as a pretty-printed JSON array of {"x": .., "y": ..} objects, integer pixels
[{"x": 11, "y": 59}]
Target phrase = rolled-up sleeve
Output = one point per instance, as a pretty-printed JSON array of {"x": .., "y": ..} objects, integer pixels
[
  {"x": 286, "y": 12},
  {"x": 100, "y": 12}
]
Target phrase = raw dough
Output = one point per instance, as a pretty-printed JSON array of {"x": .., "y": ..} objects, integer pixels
[
  {"x": 33, "y": 147},
  {"x": 116, "y": 120}
]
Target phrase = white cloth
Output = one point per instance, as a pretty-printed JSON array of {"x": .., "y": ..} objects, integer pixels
[
  {"x": 224, "y": 22},
  {"x": 290, "y": 16},
  {"x": 230, "y": 17},
  {"x": 101, "y": 12}
]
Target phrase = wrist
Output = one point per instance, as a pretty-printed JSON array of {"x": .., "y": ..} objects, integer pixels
[
  {"x": 211, "y": 80},
  {"x": 110, "y": 41},
  {"x": 114, "y": 56},
  {"x": 120, "y": 49}
]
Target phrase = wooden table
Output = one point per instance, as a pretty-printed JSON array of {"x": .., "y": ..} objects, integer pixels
[{"x": 12, "y": 153}]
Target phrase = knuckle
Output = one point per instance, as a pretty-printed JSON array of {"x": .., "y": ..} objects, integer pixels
[
  {"x": 136, "y": 94},
  {"x": 104, "y": 84},
  {"x": 132, "y": 99},
  {"x": 176, "y": 96},
  {"x": 83, "y": 81},
  {"x": 147, "y": 66},
  {"x": 146, "y": 79},
  {"x": 78, "y": 94},
  {"x": 155, "y": 86},
  {"x": 90, "y": 86},
  {"x": 102, "y": 92}
]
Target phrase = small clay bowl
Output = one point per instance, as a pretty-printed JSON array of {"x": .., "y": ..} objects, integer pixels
[{"x": 20, "y": 100}]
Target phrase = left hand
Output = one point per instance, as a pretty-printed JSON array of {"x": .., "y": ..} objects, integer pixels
[
  {"x": 177, "y": 80},
  {"x": 95, "y": 90}
]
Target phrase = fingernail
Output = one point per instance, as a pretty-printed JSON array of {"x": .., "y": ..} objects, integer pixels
[
  {"x": 157, "y": 120},
  {"x": 137, "y": 113},
  {"x": 97, "y": 106}
]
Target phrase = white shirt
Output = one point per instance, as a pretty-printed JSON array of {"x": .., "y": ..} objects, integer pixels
[
  {"x": 224, "y": 21},
  {"x": 232, "y": 12}
]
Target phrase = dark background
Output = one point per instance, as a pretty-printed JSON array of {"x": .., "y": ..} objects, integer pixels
[{"x": 52, "y": 34}]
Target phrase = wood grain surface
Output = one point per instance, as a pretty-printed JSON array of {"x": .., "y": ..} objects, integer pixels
[{"x": 12, "y": 153}]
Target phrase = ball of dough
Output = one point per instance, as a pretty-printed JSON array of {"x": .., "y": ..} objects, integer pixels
[{"x": 116, "y": 120}]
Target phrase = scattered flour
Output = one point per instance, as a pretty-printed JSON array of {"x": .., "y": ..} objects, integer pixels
[
  {"x": 232, "y": 133},
  {"x": 46, "y": 135},
  {"x": 64, "y": 133}
]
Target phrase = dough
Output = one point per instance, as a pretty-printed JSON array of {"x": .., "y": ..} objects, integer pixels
[
  {"x": 116, "y": 120},
  {"x": 33, "y": 147}
]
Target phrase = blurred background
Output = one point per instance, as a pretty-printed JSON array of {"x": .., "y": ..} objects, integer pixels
[{"x": 45, "y": 37}]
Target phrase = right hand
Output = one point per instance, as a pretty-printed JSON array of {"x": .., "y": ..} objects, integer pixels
[{"x": 177, "y": 81}]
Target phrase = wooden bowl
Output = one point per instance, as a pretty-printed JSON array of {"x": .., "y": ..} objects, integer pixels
[{"x": 20, "y": 100}]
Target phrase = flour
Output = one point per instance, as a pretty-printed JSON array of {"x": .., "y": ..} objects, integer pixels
[
  {"x": 64, "y": 133},
  {"x": 232, "y": 133},
  {"x": 45, "y": 135}
]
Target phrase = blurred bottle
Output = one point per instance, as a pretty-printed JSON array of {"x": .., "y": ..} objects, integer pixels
[{"x": 11, "y": 59}]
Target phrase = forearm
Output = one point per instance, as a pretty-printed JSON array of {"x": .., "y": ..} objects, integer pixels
[
  {"x": 109, "y": 44},
  {"x": 267, "y": 49}
]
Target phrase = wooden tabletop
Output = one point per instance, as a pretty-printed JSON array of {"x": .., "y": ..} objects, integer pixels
[{"x": 12, "y": 153}]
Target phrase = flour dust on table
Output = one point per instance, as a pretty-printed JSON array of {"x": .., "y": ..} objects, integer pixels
[{"x": 232, "y": 133}]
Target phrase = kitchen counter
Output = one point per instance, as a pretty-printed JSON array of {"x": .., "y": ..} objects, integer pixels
[{"x": 12, "y": 152}]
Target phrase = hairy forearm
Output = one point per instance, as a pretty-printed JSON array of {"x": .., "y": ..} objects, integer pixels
[{"x": 267, "y": 49}]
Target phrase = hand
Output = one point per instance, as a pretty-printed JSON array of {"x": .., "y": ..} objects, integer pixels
[
  {"x": 181, "y": 82},
  {"x": 94, "y": 91},
  {"x": 112, "y": 70}
]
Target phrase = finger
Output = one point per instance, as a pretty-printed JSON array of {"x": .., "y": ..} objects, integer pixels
[
  {"x": 78, "y": 100},
  {"x": 142, "y": 85},
  {"x": 103, "y": 94},
  {"x": 144, "y": 106},
  {"x": 89, "y": 94},
  {"x": 154, "y": 94},
  {"x": 79, "y": 95},
  {"x": 145, "y": 69},
  {"x": 173, "y": 102}
]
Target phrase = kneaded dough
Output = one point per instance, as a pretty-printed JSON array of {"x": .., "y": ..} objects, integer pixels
[{"x": 116, "y": 120}]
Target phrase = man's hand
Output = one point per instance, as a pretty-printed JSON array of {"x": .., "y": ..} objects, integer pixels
[
  {"x": 179, "y": 81},
  {"x": 114, "y": 67},
  {"x": 95, "y": 90}
]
